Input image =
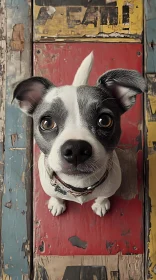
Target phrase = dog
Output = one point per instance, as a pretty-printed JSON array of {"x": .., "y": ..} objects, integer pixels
[{"x": 77, "y": 128}]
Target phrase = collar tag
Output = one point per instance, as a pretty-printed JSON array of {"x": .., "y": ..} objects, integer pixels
[{"x": 58, "y": 189}]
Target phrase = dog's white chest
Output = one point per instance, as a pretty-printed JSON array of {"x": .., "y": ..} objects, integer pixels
[{"x": 54, "y": 189}]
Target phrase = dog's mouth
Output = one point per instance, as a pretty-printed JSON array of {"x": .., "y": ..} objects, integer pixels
[{"x": 77, "y": 172}]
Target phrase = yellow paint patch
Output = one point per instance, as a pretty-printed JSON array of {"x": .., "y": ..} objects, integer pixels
[
  {"x": 152, "y": 194},
  {"x": 123, "y": 22},
  {"x": 153, "y": 103},
  {"x": 151, "y": 126},
  {"x": 5, "y": 276},
  {"x": 17, "y": 42}
]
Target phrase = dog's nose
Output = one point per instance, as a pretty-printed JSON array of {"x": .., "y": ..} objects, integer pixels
[{"x": 76, "y": 151}]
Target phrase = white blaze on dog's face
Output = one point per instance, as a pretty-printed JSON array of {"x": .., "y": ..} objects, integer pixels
[{"x": 77, "y": 127}]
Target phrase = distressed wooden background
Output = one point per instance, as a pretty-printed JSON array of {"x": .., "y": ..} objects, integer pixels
[
  {"x": 79, "y": 232},
  {"x": 104, "y": 21},
  {"x": 150, "y": 150},
  {"x": 15, "y": 138},
  {"x": 86, "y": 20}
]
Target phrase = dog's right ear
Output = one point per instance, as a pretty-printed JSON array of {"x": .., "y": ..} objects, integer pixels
[
  {"x": 124, "y": 85},
  {"x": 30, "y": 92}
]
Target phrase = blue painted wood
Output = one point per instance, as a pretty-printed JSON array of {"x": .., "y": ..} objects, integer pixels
[
  {"x": 150, "y": 35},
  {"x": 2, "y": 101},
  {"x": 17, "y": 167}
]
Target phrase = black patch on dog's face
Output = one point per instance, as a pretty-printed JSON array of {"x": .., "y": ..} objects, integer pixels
[
  {"x": 93, "y": 102},
  {"x": 57, "y": 111}
]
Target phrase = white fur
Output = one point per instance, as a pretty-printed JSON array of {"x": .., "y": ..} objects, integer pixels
[
  {"x": 56, "y": 206},
  {"x": 101, "y": 206},
  {"x": 83, "y": 72},
  {"x": 74, "y": 129},
  {"x": 127, "y": 96},
  {"x": 105, "y": 190}
]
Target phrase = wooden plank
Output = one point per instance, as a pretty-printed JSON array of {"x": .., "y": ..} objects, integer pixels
[
  {"x": 150, "y": 35},
  {"x": 2, "y": 102},
  {"x": 88, "y": 20},
  {"x": 151, "y": 140},
  {"x": 16, "y": 200},
  {"x": 121, "y": 230},
  {"x": 117, "y": 267}
]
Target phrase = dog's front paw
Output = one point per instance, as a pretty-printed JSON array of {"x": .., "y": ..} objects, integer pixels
[
  {"x": 56, "y": 206},
  {"x": 101, "y": 207}
]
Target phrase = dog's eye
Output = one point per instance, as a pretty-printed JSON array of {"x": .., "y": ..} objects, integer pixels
[
  {"x": 105, "y": 121},
  {"x": 47, "y": 123}
]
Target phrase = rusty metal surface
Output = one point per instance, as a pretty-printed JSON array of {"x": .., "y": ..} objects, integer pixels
[
  {"x": 88, "y": 20},
  {"x": 16, "y": 198}
]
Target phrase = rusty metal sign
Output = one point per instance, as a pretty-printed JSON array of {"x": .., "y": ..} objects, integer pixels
[{"x": 88, "y": 20}]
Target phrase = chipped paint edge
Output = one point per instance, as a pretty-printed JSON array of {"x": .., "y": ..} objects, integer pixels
[
  {"x": 118, "y": 33},
  {"x": 150, "y": 137},
  {"x": 2, "y": 108},
  {"x": 53, "y": 267},
  {"x": 150, "y": 202},
  {"x": 45, "y": 39},
  {"x": 8, "y": 244}
]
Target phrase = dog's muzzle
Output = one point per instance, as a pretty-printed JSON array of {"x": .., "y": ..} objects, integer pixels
[{"x": 64, "y": 188}]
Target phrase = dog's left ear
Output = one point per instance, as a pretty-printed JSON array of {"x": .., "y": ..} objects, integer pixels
[
  {"x": 124, "y": 85},
  {"x": 30, "y": 92}
]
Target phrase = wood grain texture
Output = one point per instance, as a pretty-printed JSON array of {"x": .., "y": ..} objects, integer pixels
[
  {"x": 16, "y": 203},
  {"x": 2, "y": 103},
  {"x": 121, "y": 230},
  {"x": 117, "y": 267},
  {"x": 150, "y": 36},
  {"x": 88, "y": 20},
  {"x": 151, "y": 143}
]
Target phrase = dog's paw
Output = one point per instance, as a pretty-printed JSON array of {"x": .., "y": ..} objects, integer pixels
[
  {"x": 56, "y": 206},
  {"x": 101, "y": 208}
]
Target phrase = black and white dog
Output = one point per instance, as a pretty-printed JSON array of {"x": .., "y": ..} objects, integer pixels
[{"x": 77, "y": 128}]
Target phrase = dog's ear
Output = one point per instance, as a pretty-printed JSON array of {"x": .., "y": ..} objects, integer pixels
[
  {"x": 124, "y": 85},
  {"x": 29, "y": 93}
]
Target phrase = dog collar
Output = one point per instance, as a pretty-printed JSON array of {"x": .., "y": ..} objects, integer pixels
[{"x": 64, "y": 188}]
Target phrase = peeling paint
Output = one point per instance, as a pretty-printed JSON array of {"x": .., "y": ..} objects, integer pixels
[
  {"x": 8, "y": 204},
  {"x": 14, "y": 138},
  {"x": 151, "y": 140},
  {"x": 117, "y": 266},
  {"x": 5, "y": 276},
  {"x": 113, "y": 19},
  {"x": 41, "y": 273},
  {"x": 76, "y": 241},
  {"x": 15, "y": 229},
  {"x": 17, "y": 42},
  {"x": 2, "y": 108}
]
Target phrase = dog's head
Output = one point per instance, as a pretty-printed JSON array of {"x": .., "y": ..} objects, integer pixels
[{"x": 77, "y": 127}]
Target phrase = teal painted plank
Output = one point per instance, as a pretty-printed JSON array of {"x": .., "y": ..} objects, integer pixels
[
  {"x": 150, "y": 35},
  {"x": 15, "y": 236},
  {"x": 2, "y": 105}
]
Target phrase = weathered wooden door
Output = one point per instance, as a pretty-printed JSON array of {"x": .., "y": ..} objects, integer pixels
[
  {"x": 78, "y": 244},
  {"x": 78, "y": 237}
]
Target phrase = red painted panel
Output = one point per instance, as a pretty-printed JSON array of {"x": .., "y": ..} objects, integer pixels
[{"x": 121, "y": 229}]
